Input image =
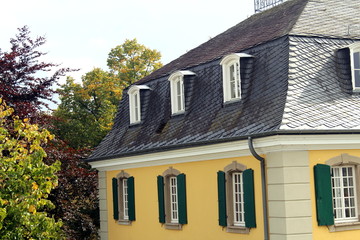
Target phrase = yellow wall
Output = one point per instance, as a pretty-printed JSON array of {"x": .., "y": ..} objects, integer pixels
[
  {"x": 202, "y": 208},
  {"x": 322, "y": 232}
]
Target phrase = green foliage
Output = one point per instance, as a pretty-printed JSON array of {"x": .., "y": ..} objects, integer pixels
[
  {"x": 87, "y": 109},
  {"x": 25, "y": 180},
  {"x": 132, "y": 61}
]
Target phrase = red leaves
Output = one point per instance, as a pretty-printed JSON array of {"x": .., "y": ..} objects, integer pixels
[{"x": 23, "y": 80}]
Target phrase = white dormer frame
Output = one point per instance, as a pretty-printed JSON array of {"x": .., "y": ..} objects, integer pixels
[
  {"x": 355, "y": 65},
  {"x": 135, "y": 103},
  {"x": 177, "y": 92},
  {"x": 231, "y": 76}
]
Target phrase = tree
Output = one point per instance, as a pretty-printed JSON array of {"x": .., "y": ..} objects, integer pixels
[
  {"x": 132, "y": 61},
  {"x": 25, "y": 180},
  {"x": 76, "y": 197},
  {"x": 86, "y": 112},
  {"x": 23, "y": 83}
]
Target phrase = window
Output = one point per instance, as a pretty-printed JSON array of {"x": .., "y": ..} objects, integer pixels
[
  {"x": 135, "y": 103},
  {"x": 236, "y": 198},
  {"x": 123, "y": 198},
  {"x": 336, "y": 188},
  {"x": 344, "y": 193},
  {"x": 231, "y": 76},
  {"x": 355, "y": 60},
  {"x": 172, "y": 199},
  {"x": 177, "y": 91}
]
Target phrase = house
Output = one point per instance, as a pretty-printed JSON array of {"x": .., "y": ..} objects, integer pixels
[{"x": 254, "y": 134}]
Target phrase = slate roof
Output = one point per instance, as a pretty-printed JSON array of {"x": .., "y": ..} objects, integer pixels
[{"x": 297, "y": 81}]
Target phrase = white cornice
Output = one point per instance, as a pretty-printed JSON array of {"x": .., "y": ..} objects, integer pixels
[{"x": 238, "y": 148}]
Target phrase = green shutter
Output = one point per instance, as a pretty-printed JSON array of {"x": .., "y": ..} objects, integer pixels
[
  {"x": 324, "y": 208},
  {"x": 249, "y": 198},
  {"x": 131, "y": 198},
  {"x": 115, "y": 198},
  {"x": 160, "y": 186},
  {"x": 222, "y": 198},
  {"x": 181, "y": 185}
]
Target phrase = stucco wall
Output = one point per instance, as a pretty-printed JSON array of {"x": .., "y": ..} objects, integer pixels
[{"x": 201, "y": 203}]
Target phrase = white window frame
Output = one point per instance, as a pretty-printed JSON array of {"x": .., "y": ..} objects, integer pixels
[
  {"x": 177, "y": 91},
  {"x": 342, "y": 185},
  {"x": 125, "y": 199},
  {"x": 135, "y": 103},
  {"x": 238, "y": 199},
  {"x": 232, "y": 79},
  {"x": 174, "y": 207},
  {"x": 355, "y": 49}
]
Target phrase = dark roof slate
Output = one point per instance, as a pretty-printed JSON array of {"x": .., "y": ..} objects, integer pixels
[
  {"x": 261, "y": 27},
  {"x": 298, "y": 80}
]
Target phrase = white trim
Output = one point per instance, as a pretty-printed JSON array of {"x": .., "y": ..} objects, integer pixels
[
  {"x": 135, "y": 102},
  {"x": 174, "y": 207},
  {"x": 238, "y": 148},
  {"x": 231, "y": 79},
  {"x": 125, "y": 198},
  {"x": 354, "y": 48},
  {"x": 137, "y": 88},
  {"x": 181, "y": 73},
  {"x": 177, "y": 92},
  {"x": 238, "y": 199}
]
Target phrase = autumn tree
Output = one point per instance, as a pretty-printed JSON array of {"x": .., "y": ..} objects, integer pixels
[
  {"x": 132, "y": 61},
  {"x": 87, "y": 109},
  {"x": 25, "y": 180},
  {"x": 24, "y": 83},
  {"x": 27, "y": 84}
]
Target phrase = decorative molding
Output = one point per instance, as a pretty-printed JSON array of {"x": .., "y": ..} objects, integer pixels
[
  {"x": 171, "y": 171},
  {"x": 122, "y": 174},
  {"x": 343, "y": 159},
  {"x": 264, "y": 145},
  {"x": 235, "y": 166}
]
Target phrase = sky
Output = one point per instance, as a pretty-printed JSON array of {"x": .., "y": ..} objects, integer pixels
[{"x": 80, "y": 33}]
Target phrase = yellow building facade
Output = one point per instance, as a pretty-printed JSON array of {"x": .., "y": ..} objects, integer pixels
[{"x": 290, "y": 187}]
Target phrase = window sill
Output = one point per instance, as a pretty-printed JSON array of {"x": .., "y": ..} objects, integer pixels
[
  {"x": 234, "y": 229},
  {"x": 124, "y": 222},
  {"x": 233, "y": 100},
  {"x": 173, "y": 226},
  {"x": 178, "y": 113},
  {"x": 135, "y": 124},
  {"x": 338, "y": 227}
]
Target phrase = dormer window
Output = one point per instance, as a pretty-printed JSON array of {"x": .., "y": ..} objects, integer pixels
[
  {"x": 135, "y": 103},
  {"x": 231, "y": 76},
  {"x": 355, "y": 65},
  {"x": 177, "y": 91}
]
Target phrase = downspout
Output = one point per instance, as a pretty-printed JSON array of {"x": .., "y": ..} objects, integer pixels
[{"x": 263, "y": 184}]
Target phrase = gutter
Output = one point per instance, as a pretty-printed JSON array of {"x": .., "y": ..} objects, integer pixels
[{"x": 263, "y": 187}]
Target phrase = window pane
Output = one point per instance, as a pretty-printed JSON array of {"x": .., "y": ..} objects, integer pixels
[
  {"x": 232, "y": 82},
  {"x": 356, "y": 60},
  {"x": 357, "y": 78}
]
